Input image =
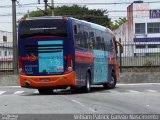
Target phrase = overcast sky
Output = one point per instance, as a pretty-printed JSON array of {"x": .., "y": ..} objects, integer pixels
[{"x": 6, "y": 21}]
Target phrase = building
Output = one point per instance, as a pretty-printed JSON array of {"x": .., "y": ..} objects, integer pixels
[
  {"x": 6, "y": 50},
  {"x": 140, "y": 35}
]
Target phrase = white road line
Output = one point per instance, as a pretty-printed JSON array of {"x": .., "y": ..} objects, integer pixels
[
  {"x": 18, "y": 92},
  {"x": 119, "y": 84},
  {"x": 133, "y": 91},
  {"x": 114, "y": 91},
  {"x": 1, "y": 92},
  {"x": 10, "y": 86},
  {"x": 81, "y": 104},
  {"x": 78, "y": 103},
  {"x": 152, "y": 91}
]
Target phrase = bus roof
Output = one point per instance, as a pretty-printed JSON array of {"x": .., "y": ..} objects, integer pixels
[
  {"x": 46, "y": 17},
  {"x": 93, "y": 25}
]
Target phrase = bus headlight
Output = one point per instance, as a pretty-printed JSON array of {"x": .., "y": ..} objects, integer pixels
[{"x": 70, "y": 69}]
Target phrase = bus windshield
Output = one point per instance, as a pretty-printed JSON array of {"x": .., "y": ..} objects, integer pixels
[{"x": 43, "y": 27}]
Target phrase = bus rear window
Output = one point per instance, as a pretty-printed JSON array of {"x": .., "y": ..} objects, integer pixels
[{"x": 43, "y": 27}]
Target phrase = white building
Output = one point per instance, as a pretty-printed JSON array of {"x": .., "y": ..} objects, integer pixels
[
  {"x": 6, "y": 50},
  {"x": 140, "y": 35}
]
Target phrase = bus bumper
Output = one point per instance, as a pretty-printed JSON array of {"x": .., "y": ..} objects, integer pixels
[{"x": 48, "y": 81}]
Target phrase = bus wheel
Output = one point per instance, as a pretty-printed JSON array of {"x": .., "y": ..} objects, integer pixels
[
  {"x": 45, "y": 90},
  {"x": 112, "y": 83},
  {"x": 87, "y": 87}
]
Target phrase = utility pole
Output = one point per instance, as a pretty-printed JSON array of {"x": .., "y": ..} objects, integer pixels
[
  {"x": 45, "y": 6},
  {"x": 14, "y": 28},
  {"x": 52, "y": 4}
]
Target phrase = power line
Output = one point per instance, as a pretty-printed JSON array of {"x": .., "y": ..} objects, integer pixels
[
  {"x": 10, "y": 14},
  {"x": 96, "y": 3}
]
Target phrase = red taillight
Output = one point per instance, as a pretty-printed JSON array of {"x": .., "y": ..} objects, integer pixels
[
  {"x": 20, "y": 62},
  {"x": 21, "y": 70},
  {"x": 69, "y": 63},
  {"x": 64, "y": 18}
]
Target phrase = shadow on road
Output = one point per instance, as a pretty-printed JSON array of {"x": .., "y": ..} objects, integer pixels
[{"x": 70, "y": 92}]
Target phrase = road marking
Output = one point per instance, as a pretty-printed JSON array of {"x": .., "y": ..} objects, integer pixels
[
  {"x": 114, "y": 91},
  {"x": 10, "y": 86},
  {"x": 119, "y": 84},
  {"x": 18, "y": 92},
  {"x": 78, "y": 103},
  {"x": 1, "y": 92},
  {"x": 152, "y": 91},
  {"x": 81, "y": 104},
  {"x": 133, "y": 91}
]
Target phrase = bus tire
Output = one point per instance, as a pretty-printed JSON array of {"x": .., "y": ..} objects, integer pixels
[
  {"x": 112, "y": 83},
  {"x": 87, "y": 87},
  {"x": 45, "y": 91}
]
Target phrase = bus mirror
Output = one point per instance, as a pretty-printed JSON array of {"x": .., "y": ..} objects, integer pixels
[{"x": 120, "y": 46}]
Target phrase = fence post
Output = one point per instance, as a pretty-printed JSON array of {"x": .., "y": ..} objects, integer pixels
[{"x": 120, "y": 57}]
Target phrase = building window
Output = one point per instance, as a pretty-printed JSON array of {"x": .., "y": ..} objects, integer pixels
[
  {"x": 140, "y": 46},
  {"x": 4, "y": 38},
  {"x": 153, "y": 27},
  {"x": 139, "y": 28},
  {"x": 5, "y": 53},
  {"x": 9, "y": 53},
  {"x": 152, "y": 46}
]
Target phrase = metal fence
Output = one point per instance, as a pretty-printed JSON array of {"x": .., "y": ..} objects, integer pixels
[
  {"x": 6, "y": 57},
  {"x": 135, "y": 57},
  {"x": 143, "y": 56}
]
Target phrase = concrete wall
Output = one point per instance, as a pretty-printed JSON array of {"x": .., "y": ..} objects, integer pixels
[
  {"x": 148, "y": 77},
  {"x": 9, "y": 80},
  {"x": 127, "y": 77}
]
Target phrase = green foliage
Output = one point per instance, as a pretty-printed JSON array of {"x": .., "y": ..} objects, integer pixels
[
  {"x": 117, "y": 23},
  {"x": 34, "y": 14},
  {"x": 91, "y": 15}
]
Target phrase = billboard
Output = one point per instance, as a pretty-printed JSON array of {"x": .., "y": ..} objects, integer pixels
[{"x": 154, "y": 13}]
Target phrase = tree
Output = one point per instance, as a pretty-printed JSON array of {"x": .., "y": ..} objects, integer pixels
[
  {"x": 92, "y": 15},
  {"x": 117, "y": 23}
]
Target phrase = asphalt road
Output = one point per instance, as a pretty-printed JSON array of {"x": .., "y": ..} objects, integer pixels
[{"x": 124, "y": 99}]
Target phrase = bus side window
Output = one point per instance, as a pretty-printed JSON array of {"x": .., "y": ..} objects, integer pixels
[
  {"x": 106, "y": 40},
  {"x": 90, "y": 40},
  {"x": 85, "y": 39},
  {"x": 78, "y": 35},
  {"x": 111, "y": 45},
  {"x": 98, "y": 43},
  {"x": 75, "y": 29},
  {"x": 102, "y": 44},
  {"x": 98, "y": 40}
]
